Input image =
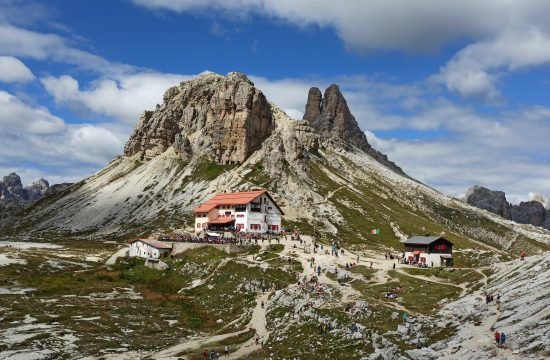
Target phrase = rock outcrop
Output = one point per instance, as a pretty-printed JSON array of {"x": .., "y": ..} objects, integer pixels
[
  {"x": 527, "y": 212},
  {"x": 14, "y": 197},
  {"x": 332, "y": 118},
  {"x": 492, "y": 201},
  {"x": 224, "y": 118}
]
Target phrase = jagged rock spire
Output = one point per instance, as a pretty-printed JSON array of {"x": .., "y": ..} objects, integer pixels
[{"x": 332, "y": 118}]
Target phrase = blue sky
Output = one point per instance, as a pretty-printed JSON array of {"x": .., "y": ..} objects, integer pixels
[{"x": 455, "y": 92}]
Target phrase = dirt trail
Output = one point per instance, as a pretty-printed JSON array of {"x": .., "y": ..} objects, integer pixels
[
  {"x": 120, "y": 253},
  {"x": 259, "y": 324}
]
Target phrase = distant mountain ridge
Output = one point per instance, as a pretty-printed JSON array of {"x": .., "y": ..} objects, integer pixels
[
  {"x": 527, "y": 212},
  {"x": 219, "y": 133}
]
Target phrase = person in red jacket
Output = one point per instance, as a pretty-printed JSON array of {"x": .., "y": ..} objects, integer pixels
[{"x": 497, "y": 337}]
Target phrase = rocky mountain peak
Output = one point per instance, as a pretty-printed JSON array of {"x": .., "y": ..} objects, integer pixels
[
  {"x": 224, "y": 118},
  {"x": 332, "y": 118},
  {"x": 492, "y": 201},
  {"x": 527, "y": 212},
  {"x": 12, "y": 180}
]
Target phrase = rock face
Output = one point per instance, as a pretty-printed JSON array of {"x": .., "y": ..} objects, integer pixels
[
  {"x": 224, "y": 118},
  {"x": 331, "y": 117},
  {"x": 14, "y": 197},
  {"x": 492, "y": 201},
  {"x": 528, "y": 212}
]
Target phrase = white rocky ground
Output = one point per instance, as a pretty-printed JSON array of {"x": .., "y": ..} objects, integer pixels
[{"x": 523, "y": 315}]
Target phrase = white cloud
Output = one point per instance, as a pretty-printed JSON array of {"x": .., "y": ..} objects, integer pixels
[
  {"x": 34, "y": 139},
  {"x": 380, "y": 24},
  {"x": 16, "y": 41},
  {"x": 13, "y": 70},
  {"x": 504, "y": 35},
  {"x": 474, "y": 70},
  {"x": 123, "y": 97}
]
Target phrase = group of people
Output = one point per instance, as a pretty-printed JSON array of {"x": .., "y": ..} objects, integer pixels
[
  {"x": 211, "y": 355},
  {"x": 489, "y": 298},
  {"x": 500, "y": 339}
]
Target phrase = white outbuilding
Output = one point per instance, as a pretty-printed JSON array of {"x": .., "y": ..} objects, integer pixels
[{"x": 149, "y": 248}]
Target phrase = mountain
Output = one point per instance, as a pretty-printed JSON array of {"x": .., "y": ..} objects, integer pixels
[
  {"x": 14, "y": 197},
  {"x": 219, "y": 133},
  {"x": 527, "y": 212}
]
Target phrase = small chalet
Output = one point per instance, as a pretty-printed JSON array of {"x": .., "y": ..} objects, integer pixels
[
  {"x": 429, "y": 251},
  {"x": 247, "y": 211},
  {"x": 149, "y": 249}
]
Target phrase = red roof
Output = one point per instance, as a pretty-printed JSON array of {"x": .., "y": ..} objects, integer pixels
[
  {"x": 236, "y": 198},
  {"x": 154, "y": 243}
]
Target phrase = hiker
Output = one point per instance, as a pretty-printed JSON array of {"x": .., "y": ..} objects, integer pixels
[
  {"x": 405, "y": 318},
  {"x": 212, "y": 355},
  {"x": 371, "y": 264},
  {"x": 386, "y": 255},
  {"x": 319, "y": 270},
  {"x": 522, "y": 255},
  {"x": 262, "y": 304},
  {"x": 497, "y": 337},
  {"x": 226, "y": 351},
  {"x": 358, "y": 259},
  {"x": 502, "y": 339},
  {"x": 218, "y": 355},
  {"x": 205, "y": 353}
]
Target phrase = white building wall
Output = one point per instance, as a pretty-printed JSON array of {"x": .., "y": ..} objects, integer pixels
[
  {"x": 436, "y": 258},
  {"x": 141, "y": 249}
]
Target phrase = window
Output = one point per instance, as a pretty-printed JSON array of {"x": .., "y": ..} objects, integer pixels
[
  {"x": 273, "y": 227},
  {"x": 227, "y": 213},
  {"x": 255, "y": 227},
  {"x": 269, "y": 208},
  {"x": 265, "y": 200},
  {"x": 239, "y": 226},
  {"x": 199, "y": 226},
  {"x": 255, "y": 207},
  {"x": 240, "y": 208}
]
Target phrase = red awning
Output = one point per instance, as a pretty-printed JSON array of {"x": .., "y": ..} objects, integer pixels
[
  {"x": 221, "y": 220},
  {"x": 416, "y": 252}
]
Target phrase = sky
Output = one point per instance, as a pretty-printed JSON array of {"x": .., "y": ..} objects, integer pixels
[{"x": 454, "y": 92}]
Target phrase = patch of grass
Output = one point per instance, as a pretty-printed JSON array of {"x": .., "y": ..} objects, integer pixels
[
  {"x": 456, "y": 276},
  {"x": 208, "y": 170}
]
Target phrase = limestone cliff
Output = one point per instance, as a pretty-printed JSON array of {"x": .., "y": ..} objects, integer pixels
[
  {"x": 224, "y": 118},
  {"x": 527, "y": 212}
]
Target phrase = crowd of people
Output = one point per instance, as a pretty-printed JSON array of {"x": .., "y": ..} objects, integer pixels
[{"x": 235, "y": 238}]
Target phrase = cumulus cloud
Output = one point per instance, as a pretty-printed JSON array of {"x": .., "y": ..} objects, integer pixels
[
  {"x": 123, "y": 97},
  {"x": 36, "y": 140},
  {"x": 379, "y": 24},
  {"x": 536, "y": 197},
  {"x": 20, "y": 42},
  {"x": 474, "y": 70},
  {"x": 13, "y": 70},
  {"x": 504, "y": 36}
]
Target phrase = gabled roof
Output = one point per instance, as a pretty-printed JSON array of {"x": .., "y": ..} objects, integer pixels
[
  {"x": 154, "y": 243},
  {"x": 234, "y": 198},
  {"x": 424, "y": 240}
]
